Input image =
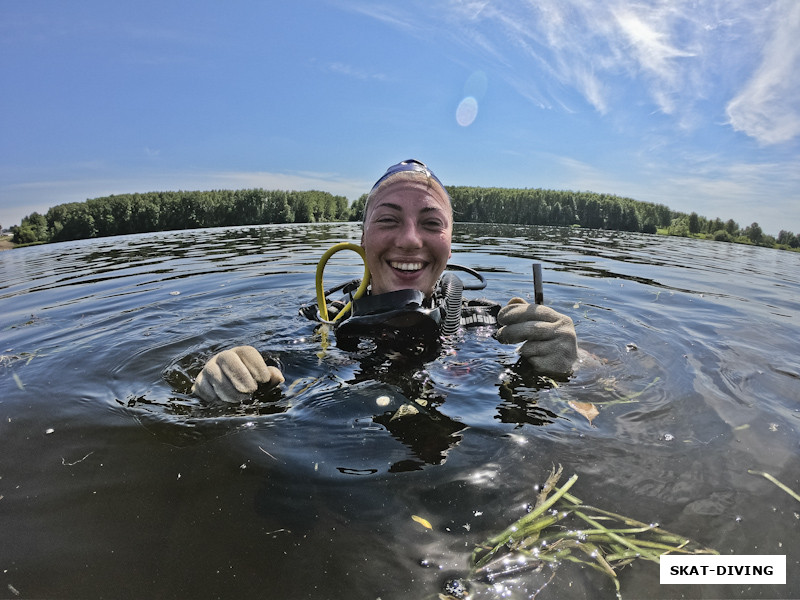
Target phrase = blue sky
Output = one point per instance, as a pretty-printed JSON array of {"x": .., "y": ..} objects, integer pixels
[{"x": 695, "y": 105}]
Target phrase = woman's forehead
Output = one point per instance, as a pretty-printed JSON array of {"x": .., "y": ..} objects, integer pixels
[{"x": 409, "y": 190}]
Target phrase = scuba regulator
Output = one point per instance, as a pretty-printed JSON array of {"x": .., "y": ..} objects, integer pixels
[{"x": 400, "y": 316}]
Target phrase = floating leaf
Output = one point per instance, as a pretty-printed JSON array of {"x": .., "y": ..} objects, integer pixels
[
  {"x": 587, "y": 409},
  {"x": 424, "y": 522}
]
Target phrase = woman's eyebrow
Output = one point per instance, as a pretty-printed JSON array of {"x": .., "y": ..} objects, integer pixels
[
  {"x": 391, "y": 205},
  {"x": 396, "y": 206}
]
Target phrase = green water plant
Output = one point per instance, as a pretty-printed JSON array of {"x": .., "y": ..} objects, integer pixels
[
  {"x": 561, "y": 527},
  {"x": 783, "y": 486}
]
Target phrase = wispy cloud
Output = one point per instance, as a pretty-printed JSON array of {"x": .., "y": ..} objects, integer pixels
[
  {"x": 767, "y": 108},
  {"x": 740, "y": 54},
  {"x": 354, "y": 72},
  {"x": 746, "y": 192},
  {"x": 743, "y": 191}
]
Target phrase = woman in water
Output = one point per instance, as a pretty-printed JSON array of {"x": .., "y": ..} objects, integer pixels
[{"x": 407, "y": 233}]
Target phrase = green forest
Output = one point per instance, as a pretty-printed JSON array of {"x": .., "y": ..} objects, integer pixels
[{"x": 165, "y": 211}]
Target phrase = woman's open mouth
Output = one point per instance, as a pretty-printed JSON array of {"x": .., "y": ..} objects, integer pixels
[{"x": 406, "y": 266}]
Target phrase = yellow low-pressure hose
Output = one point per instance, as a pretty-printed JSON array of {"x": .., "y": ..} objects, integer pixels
[{"x": 322, "y": 305}]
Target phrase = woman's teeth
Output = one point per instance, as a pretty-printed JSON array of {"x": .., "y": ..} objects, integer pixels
[{"x": 406, "y": 266}]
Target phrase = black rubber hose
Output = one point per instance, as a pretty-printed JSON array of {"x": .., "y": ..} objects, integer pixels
[{"x": 452, "y": 288}]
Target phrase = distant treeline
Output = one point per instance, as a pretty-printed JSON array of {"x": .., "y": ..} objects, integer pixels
[{"x": 164, "y": 211}]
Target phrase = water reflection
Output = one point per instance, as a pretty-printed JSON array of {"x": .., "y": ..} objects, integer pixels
[{"x": 694, "y": 380}]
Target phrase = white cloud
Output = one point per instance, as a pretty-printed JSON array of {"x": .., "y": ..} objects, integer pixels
[
  {"x": 764, "y": 193},
  {"x": 768, "y": 192},
  {"x": 584, "y": 45},
  {"x": 355, "y": 72},
  {"x": 767, "y": 108},
  {"x": 678, "y": 54}
]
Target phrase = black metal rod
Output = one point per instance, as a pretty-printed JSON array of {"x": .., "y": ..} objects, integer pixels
[{"x": 538, "y": 291}]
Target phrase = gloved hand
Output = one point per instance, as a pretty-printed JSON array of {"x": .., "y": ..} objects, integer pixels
[
  {"x": 233, "y": 375},
  {"x": 551, "y": 345}
]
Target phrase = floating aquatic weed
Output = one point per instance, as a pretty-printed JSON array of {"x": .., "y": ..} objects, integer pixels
[
  {"x": 784, "y": 487},
  {"x": 610, "y": 542},
  {"x": 23, "y": 357}
]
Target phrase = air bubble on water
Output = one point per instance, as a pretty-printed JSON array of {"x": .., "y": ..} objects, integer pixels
[
  {"x": 501, "y": 590},
  {"x": 668, "y": 437},
  {"x": 456, "y": 588}
]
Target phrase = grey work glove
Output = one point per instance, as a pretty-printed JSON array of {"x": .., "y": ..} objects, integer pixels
[
  {"x": 550, "y": 344},
  {"x": 233, "y": 375}
]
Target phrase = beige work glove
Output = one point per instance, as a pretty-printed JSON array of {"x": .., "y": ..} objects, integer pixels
[
  {"x": 233, "y": 375},
  {"x": 550, "y": 344}
]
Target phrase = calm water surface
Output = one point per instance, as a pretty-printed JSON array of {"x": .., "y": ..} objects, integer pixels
[{"x": 116, "y": 483}]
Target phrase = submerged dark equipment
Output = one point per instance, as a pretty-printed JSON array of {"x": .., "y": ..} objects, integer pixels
[
  {"x": 404, "y": 316},
  {"x": 407, "y": 316},
  {"x": 399, "y": 316}
]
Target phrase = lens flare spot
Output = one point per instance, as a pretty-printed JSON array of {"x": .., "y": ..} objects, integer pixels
[{"x": 467, "y": 111}]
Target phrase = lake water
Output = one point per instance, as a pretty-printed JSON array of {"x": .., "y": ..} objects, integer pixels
[{"x": 116, "y": 483}]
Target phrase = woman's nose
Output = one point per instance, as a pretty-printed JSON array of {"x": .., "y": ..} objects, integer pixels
[{"x": 410, "y": 236}]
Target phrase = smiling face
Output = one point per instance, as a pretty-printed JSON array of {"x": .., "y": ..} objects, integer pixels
[{"x": 408, "y": 228}]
